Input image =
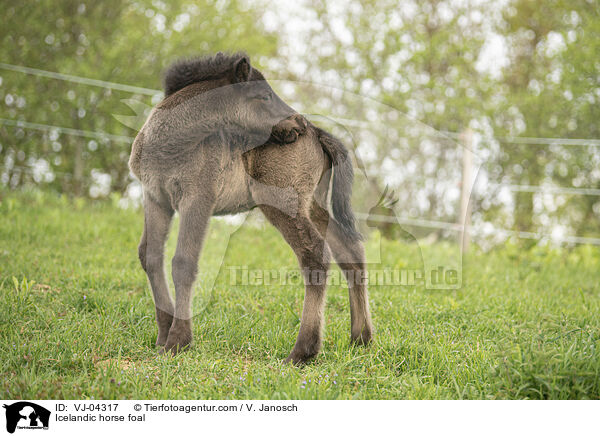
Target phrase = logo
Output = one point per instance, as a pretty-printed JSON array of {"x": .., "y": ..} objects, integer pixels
[{"x": 26, "y": 415}]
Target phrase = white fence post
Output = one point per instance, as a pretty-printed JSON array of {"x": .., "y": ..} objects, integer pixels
[{"x": 466, "y": 139}]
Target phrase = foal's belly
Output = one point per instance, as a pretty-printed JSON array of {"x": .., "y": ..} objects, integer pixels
[{"x": 234, "y": 194}]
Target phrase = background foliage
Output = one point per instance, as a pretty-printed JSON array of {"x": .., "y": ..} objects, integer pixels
[{"x": 413, "y": 76}]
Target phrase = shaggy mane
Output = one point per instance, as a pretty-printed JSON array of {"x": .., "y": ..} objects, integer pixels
[{"x": 184, "y": 72}]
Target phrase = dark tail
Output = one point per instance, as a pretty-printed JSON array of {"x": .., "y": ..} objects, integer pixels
[{"x": 343, "y": 175}]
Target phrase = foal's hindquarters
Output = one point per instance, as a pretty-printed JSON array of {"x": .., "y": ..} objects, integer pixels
[
  {"x": 303, "y": 169},
  {"x": 289, "y": 183}
]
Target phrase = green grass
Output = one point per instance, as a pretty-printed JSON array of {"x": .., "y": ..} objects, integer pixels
[{"x": 77, "y": 320}]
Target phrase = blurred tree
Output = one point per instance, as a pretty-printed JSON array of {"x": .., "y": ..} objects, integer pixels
[
  {"x": 128, "y": 42},
  {"x": 422, "y": 59},
  {"x": 395, "y": 75},
  {"x": 408, "y": 73},
  {"x": 550, "y": 89}
]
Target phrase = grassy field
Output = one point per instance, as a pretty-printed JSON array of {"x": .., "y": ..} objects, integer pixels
[{"x": 77, "y": 320}]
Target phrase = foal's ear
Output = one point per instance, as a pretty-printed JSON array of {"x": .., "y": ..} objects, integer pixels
[{"x": 241, "y": 69}]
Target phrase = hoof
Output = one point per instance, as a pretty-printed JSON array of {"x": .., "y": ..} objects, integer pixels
[
  {"x": 301, "y": 354},
  {"x": 164, "y": 321},
  {"x": 173, "y": 350},
  {"x": 362, "y": 338},
  {"x": 297, "y": 360},
  {"x": 180, "y": 337}
]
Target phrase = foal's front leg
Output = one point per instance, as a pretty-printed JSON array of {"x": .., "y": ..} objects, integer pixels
[
  {"x": 157, "y": 218},
  {"x": 313, "y": 257},
  {"x": 195, "y": 213}
]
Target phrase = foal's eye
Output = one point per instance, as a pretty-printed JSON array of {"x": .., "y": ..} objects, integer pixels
[{"x": 265, "y": 97}]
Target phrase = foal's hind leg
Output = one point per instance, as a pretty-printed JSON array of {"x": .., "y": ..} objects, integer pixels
[
  {"x": 313, "y": 256},
  {"x": 195, "y": 212},
  {"x": 349, "y": 254},
  {"x": 157, "y": 218}
]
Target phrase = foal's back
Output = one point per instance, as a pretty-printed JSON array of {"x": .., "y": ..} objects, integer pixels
[{"x": 284, "y": 176}]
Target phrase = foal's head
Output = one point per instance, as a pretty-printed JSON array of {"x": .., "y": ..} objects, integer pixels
[{"x": 228, "y": 90}]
